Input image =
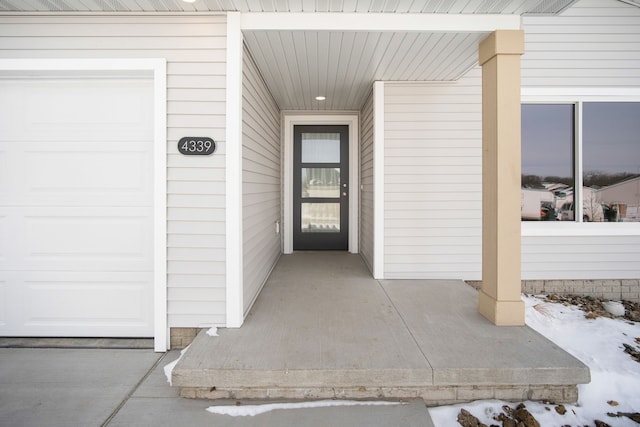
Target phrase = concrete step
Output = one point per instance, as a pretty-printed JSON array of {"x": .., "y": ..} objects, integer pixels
[
  {"x": 199, "y": 376},
  {"x": 316, "y": 335}
]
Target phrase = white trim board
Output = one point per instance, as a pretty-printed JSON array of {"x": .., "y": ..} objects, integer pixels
[
  {"x": 378, "y": 180},
  {"x": 233, "y": 163},
  {"x": 290, "y": 120},
  {"x": 156, "y": 67},
  {"x": 576, "y": 94},
  {"x": 414, "y": 22}
]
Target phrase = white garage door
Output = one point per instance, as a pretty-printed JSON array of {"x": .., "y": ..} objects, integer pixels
[{"x": 76, "y": 206}]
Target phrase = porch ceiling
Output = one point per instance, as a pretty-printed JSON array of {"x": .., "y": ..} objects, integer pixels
[{"x": 300, "y": 65}]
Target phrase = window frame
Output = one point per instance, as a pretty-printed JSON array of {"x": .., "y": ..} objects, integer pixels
[{"x": 578, "y": 97}]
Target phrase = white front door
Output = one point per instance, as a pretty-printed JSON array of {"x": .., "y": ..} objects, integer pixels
[{"x": 76, "y": 206}]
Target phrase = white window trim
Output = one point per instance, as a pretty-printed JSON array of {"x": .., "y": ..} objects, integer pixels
[
  {"x": 578, "y": 96},
  {"x": 157, "y": 68},
  {"x": 351, "y": 120}
]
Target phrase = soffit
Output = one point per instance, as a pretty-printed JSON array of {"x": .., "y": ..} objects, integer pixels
[
  {"x": 518, "y": 7},
  {"x": 297, "y": 66}
]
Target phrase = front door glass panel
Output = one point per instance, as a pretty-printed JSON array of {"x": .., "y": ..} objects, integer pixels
[
  {"x": 320, "y": 182},
  {"x": 320, "y": 147},
  {"x": 320, "y": 218}
]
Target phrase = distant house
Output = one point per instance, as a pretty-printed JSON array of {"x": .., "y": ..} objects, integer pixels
[
  {"x": 624, "y": 199},
  {"x": 157, "y": 158}
]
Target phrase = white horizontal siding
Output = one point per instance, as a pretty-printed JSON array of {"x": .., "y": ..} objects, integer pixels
[
  {"x": 580, "y": 257},
  {"x": 366, "y": 182},
  {"x": 594, "y": 44},
  {"x": 194, "y": 47},
  {"x": 433, "y": 179},
  {"x": 261, "y": 187}
]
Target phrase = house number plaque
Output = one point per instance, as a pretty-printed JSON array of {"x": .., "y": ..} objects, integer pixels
[{"x": 196, "y": 146}]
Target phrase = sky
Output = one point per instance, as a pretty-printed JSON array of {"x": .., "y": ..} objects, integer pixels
[
  {"x": 611, "y": 138},
  {"x": 547, "y": 140}
]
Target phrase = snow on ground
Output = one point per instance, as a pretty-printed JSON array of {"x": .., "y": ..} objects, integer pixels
[
  {"x": 615, "y": 376},
  {"x": 253, "y": 410},
  {"x": 168, "y": 368}
]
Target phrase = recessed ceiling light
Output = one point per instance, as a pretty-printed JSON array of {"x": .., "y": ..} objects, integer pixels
[
  {"x": 320, "y": 98},
  {"x": 189, "y": 1}
]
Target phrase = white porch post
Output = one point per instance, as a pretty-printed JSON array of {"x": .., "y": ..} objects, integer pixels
[{"x": 499, "y": 299}]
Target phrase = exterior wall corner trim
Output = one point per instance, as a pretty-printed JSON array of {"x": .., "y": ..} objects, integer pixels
[
  {"x": 233, "y": 163},
  {"x": 378, "y": 180}
]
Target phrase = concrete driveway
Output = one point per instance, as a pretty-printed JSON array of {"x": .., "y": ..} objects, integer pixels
[{"x": 122, "y": 387}]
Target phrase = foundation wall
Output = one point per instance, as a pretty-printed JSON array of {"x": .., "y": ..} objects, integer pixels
[{"x": 607, "y": 289}]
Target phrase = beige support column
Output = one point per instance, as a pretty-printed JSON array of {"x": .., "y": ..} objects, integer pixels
[{"x": 499, "y": 299}]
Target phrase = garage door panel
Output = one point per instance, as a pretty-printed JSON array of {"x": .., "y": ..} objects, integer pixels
[
  {"x": 67, "y": 239},
  {"x": 51, "y": 303},
  {"x": 83, "y": 101},
  {"x": 47, "y": 309},
  {"x": 9, "y": 232},
  {"x": 4, "y": 238},
  {"x": 4, "y": 168},
  {"x": 11, "y": 299},
  {"x": 86, "y": 177},
  {"x": 77, "y": 109},
  {"x": 45, "y": 297},
  {"x": 4, "y": 298},
  {"x": 109, "y": 174}
]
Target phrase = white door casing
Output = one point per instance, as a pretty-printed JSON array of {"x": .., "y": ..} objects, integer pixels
[{"x": 290, "y": 120}]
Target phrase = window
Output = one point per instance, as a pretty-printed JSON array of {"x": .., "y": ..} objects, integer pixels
[
  {"x": 600, "y": 156},
  {"x": 547, "y": 162}
]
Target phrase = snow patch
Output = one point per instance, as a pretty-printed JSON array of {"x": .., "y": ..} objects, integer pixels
[
  {"x": 253, "y": 410},
  {"x": 213, "y": 332},
  {"x": 614, "y": 307},
  {"x": 168, "y": 368}
]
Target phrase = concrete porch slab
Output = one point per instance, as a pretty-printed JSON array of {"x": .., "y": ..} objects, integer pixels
[
  {"x": 464, "y": 348},
  {"x": 324, "y": 328}
]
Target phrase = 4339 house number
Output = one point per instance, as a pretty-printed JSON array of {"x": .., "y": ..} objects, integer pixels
[{"x": 196, "y": 146}]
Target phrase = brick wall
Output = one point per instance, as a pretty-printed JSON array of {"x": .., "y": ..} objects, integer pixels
[
  {"x": 607, "y": 289},
  {"x": 182, "y": 337}
]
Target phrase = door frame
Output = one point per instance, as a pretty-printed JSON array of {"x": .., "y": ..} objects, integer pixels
[{"x": 351, "y": 120}]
